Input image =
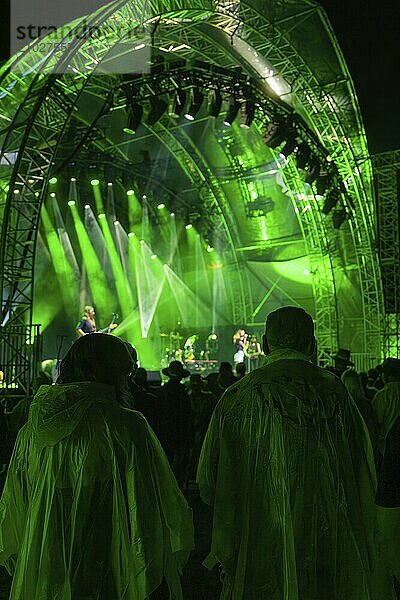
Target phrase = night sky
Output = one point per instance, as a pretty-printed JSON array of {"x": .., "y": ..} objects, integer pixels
[{"x": 368, "y": 33}]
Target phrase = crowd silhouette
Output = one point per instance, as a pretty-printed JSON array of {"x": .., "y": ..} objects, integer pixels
[{"x": 299, "y": 465}]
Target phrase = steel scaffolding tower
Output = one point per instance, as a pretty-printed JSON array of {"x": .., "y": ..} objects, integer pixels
[{"x": 387, "y": 185}]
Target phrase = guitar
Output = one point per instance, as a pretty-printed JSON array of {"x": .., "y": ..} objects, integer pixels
[{"x": 111, "y": 326}]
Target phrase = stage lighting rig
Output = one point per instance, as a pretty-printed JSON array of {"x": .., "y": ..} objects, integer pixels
[
  {"x": 313, "y": 171},
  {"x": 303, "y": 156},
  {"x": 289, "y": 147},
  {"x": 234, "y": 107},
  {"x": 195, "y": 104},
  {"x": 249, "y": 114},
  {"x": 135, "y": 114},
  {"x": 215, "y": 103},
  {"x": 158, "y": 106},
  {"x": 331, "y": 200},
  {"x": 274, "y": 134},
  {"x": 178, "y": 104}
]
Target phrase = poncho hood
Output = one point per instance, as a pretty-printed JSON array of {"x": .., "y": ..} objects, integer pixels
[{"x": 57, "y": 410}]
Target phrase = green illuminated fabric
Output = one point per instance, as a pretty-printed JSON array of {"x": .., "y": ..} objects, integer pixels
[
  {"x": 386, "y": 409},
  {"x": 90, "y": 508},
  {"x": 288, "y": 466}
]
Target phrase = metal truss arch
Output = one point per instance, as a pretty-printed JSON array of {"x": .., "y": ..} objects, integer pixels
[{"x": 38, "y": 106}]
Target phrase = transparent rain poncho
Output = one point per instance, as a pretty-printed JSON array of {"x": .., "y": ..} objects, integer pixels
[
  {"x": 288, "y": 466},
  {"x": 90, "y": 508}
]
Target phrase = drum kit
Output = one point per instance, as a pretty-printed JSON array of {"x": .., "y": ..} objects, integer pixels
[{"x": 189, "y": 352}]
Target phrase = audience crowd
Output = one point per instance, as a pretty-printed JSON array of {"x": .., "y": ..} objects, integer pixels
[{"x": 300, "y": 464}]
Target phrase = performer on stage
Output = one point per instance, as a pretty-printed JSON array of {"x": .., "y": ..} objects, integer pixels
[
  {"x": 240, "y": 341},
  {"x": 88, "y": 323},
  {"x": 252, "y": 352}
]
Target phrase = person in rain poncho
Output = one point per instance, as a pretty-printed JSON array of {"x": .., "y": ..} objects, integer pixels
[
  {"x": 91, "y": 509},
  {"x": 288, "y": 467}
]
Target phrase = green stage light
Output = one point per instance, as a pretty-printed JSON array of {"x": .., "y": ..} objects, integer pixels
[
  {"x": 53, "y": 180},
  {"x": 306, "y": 272},
  {"x": 172, "y": 214},
  {"x": 161, "y": 206},
  {"x": 131, "y": 234},
  {"x": 102, "y": 216},
  {"x": 142, "y": 241},
  {"x": 116, "y": 222},
  {"x": 52, "y": 195},
  {"x": 130, "y": 193},
  {"x": 71, "y": 203},
  {"x": 153, "y": 256},
  {"x": 189, "y": 226},
  {"x": 210, "y": 248},
  {"x": 87, "y": 206},
  {"x": 95, "y": 182}
]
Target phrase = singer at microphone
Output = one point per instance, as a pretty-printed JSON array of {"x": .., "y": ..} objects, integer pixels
[{"x": 87, "y": 324}]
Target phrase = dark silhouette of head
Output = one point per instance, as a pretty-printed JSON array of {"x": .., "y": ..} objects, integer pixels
[
  {"x": 289, "y": 327},
  {"x": 196, "y": 382},
  {"x": 99, "y": 358},
  {"x": 140, "y": 376},
  {"x": 225, "y": 367}
]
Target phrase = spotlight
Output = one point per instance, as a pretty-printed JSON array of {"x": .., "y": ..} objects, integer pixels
[
  {"x": 135, "y": 114},
  {"x": 131, "y": 234},
  {"x": 71, "y": 203},
  {"x": 153, "y": 256},
  {"x": 161, "y": 206},
  {"x": 30, "y": 181},
  {"x": 189, "y": 226},
  {"x": 322, "y": 183},
  {"x": 210, "y": 248},
  {"x": 288, "y": 148},
  {"x": 158, "y": 108},
  {"x": 52, "y": 195},
  {"x": 195, "y": 104},
  {"x": 142, "y": 241},
  {"x": 73, "y": 179},
  {"x": 16, "y": 191},
  {"x": 95, "y": 182},
  {"x": 303, "y": 155},
  {"x": 331, "y": 200},
  {"x": 130, "y": 193},
  {"x": 172, "y": 214},
  {"x": 102, "y": 216},
  {"x": 53, "y": 180},
  {"x": 116, "y": 222},
  {"x": 109, "y": 184},
  {"x": 274, "y": 134},
  {"x": 250, "y": 113},
  {"x": 306, "y": 272},
  {"x": 87, "y": 206},
  {"x": 339, "y": 217},
  {"x": 215, "y": 104},
  {"x": 177, "y": 104},
  {"x": 313, "y": 171},
  {"x": 233, "y": 110}
]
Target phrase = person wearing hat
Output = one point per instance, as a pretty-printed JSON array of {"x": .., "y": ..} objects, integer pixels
[
  {"x": 341, "y": 362},
  {"x": 386, "y": 402},
  {"x": 178, "y": 422}
]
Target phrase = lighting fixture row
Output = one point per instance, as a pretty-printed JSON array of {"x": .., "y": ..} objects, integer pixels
[
  {"x": 321, "y": 172},
  {"x": 187, "y": 103}
]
